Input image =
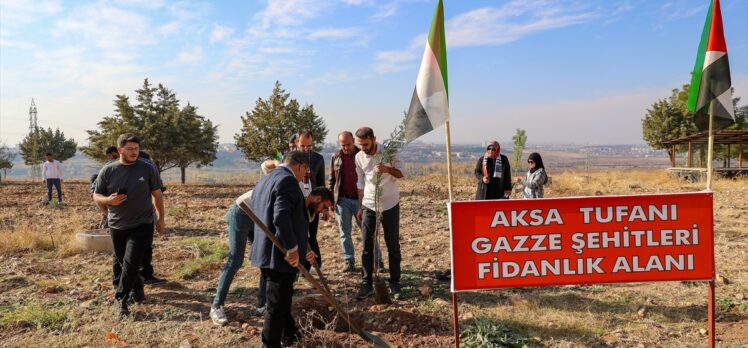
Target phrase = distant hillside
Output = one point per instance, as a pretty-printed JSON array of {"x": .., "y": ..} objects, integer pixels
[{"x": 230, "y": 160}]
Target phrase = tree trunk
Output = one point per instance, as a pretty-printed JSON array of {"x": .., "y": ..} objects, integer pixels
[{"x": 182, "y": 169}]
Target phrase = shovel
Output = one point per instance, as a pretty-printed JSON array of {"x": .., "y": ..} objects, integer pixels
[
  {"x": 376, "y": 341},
  {"x": 381, "y": 293}
]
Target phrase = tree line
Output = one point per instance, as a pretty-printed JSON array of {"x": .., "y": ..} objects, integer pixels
[
  {"x": 669, "y": 119},
  {"x": 175, "y": 135}
]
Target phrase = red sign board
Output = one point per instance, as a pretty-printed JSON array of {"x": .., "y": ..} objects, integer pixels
[{"x": 586, "y": 240}]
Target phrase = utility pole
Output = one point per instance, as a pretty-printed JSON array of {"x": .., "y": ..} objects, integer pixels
[{"x": 34, "y": 170}]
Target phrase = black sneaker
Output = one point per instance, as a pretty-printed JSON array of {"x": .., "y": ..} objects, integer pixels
[
  {"x": 350, "y": 266},
  {"x": 289, "y": 340},
  {"x": 364, "y": 291},
  {"x": 122, "y": 308},
  {"x": 395, "y": 290},
  {"x": 380, "y": 264},
  {"x": 152, "y": 280},
  {"x": 136, "y": 296}
]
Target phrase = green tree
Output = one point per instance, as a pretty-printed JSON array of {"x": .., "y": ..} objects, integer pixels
[
  {"x": 266, "y": 130},
  {"x": 662, "y": 123},
  {"x": 172, "y": 136},
  {"x": 6, "y": 159},
  {"x": 519, "y": 139},
  {"x": 201, "y": 140},
  {"x": 48, "y": 140}
]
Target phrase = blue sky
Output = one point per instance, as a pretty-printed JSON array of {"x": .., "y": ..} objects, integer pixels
[{"x": 564, "y": 70}]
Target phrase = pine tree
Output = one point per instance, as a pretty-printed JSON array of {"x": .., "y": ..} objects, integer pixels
[{"x": 266, "y": 130}]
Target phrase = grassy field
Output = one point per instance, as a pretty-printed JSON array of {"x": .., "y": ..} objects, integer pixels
[{"x": 54, "y": 295}]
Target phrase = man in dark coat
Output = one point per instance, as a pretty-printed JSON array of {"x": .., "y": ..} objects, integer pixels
[
  {"x": 279, "y": 203},
  {"x": 313, "y": 178},
  {"x": 493, "y": 183}
]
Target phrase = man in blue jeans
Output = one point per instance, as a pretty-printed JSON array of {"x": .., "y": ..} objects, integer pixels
[
  {"x": 342, "y": 183},
  {"x": 240, "y": 230},
  {"x": 52, "y": 174}
]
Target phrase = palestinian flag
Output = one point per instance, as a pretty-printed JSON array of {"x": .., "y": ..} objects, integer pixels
[
  {"x": 429, "y": 107},
  {"x": 710, "y": 82}
]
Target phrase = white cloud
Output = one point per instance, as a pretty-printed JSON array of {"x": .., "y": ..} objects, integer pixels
[
  {"x": 147, "y": 4},
  {"x": 335, "y": 33},
  {"x": 17, "y": 16},
  {"x": 191, "y": 56},
  {"x": 489, "y": 26},
  {"x": 220, "y": 33},
  {"x": 116, "y": 31},
  {"x": 291, "y": 12}
]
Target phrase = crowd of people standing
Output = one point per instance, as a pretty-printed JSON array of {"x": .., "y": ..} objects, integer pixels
[{"x": 291, "y": 199}]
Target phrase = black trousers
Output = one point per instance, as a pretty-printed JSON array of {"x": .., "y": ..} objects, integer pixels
[
  {"x": 146, "y": 266},
  {"x": 129, "y": 247},
  {"x": 279, "y": 322},
  {"x": 391, "y": 229},
  {"x": 313, "y": 243}
]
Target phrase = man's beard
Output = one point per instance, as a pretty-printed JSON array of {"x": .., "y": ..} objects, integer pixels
[
  {"x": 312, "y": 208},
  {"x": 126, "y": 160}
]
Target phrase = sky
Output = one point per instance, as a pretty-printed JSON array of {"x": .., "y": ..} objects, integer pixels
[{"x": 566, "y": 71}]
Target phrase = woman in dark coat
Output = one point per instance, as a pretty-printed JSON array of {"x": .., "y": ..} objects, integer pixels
[{"x": 492, "y": 183}]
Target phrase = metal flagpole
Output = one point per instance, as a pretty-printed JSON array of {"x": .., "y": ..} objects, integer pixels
[
  {"x": 709, "y": 169},
  {"x": 710, "y": 150},
  {"x": 455, "y": 309}
]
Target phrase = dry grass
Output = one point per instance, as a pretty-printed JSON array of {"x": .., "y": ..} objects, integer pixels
[{"x": 43, "y": 275}]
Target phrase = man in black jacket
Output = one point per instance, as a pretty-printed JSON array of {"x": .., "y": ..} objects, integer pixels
[
  {"x": 278, "y": 201},
  {"x": 314, "y": 177}
]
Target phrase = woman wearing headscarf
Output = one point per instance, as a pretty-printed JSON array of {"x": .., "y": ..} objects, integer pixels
[
  {"x": 494, "y": 174},
  {"x": 536, "y": 177}
]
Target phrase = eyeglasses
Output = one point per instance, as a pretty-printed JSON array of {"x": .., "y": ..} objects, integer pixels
[{"x": 490, "y": 149}]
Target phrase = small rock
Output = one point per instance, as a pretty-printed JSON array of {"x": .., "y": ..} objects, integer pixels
[
  {"x": 552, "y": 325},
  {"x": 703, "y": 332},
  {"x": 425, "y": 290},
  {"x": 53, "y": 289},
  {"x": 86, "y": 304},
  {"x": 403, "y": 328},
  {"x": 427, "y": 247},
  {"x": 722, "y": 280},
  {"x": 330, "y": 309},
  {"x": 185, "y": 344},
  {"x": 740, "y": 297},
  {"x": 642, "y": 312},
  {"x": 640, "y": 345},
  {"x": 468, "y": 316},
  {"x": 245, "y": 326}
]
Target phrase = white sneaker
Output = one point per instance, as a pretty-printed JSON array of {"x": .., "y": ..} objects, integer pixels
[
  {"x": 218, "y": 316},
  {"x": 260, "y": 311}
]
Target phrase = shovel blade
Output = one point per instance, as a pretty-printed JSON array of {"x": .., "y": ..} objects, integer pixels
[{"x": 377, "y": 341}]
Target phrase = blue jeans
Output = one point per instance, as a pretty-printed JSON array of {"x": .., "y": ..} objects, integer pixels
[
  {"x": 241, "y": 229},
  {"x": 58, "y": 186},
  {"x": 345, "y": 210}
]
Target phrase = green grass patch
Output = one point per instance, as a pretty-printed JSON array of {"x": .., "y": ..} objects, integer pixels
[
  {"x": 50, "y": 316},
  {"x": 210, "y": 254},
  {"x": 489, "y": 333}
]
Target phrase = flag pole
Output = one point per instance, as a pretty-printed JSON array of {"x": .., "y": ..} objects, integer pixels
[
  {"x": 449, "y": 159},
  {"x": 710, "y": 149},
  {"x": 455, "y": 309}
]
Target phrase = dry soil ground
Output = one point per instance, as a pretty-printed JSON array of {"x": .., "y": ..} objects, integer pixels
[{"x": 52, "y": 294}]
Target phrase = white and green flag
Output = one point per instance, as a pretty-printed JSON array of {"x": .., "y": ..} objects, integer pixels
[{"x": 429, "y": 107}]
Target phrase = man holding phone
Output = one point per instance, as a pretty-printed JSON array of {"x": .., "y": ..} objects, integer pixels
[{"x": 128, "y": 187}]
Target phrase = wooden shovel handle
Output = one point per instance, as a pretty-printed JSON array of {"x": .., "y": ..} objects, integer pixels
[{"x": 301, "y": 269}]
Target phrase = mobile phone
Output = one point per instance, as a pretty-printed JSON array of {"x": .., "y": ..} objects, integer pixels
[{"x": 122, "y": 191}]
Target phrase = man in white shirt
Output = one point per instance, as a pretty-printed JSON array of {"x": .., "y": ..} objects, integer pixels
[
  {"x": 52, "y": 174},
  {"x": 389, "y": 206}
]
